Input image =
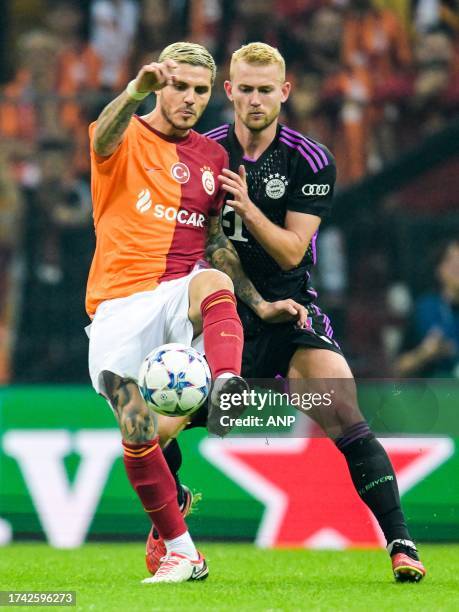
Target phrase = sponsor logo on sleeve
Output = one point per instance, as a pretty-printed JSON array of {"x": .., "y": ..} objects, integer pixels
[{"x": 315, "y": 190}]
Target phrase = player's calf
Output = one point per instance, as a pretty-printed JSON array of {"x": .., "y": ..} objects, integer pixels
[
  {"x": 146, "y": 467},
  {"x": 376, "y": 483},
  {"x": 223, "y": 342},
  {"x": 213, "y": 308},
  {"x": 135, "y": 419}
]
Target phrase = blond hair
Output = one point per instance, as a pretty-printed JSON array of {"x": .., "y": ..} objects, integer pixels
[
  {"x": 258, "y": 53},
  {"x": 190, "y": 53}
]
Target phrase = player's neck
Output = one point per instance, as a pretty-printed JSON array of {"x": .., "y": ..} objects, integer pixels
[
  {"x": 156, "y": 121},
  {"x": 254, "y": 144}
]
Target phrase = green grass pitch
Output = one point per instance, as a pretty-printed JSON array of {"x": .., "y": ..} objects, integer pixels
[{"x": 242, "y": 577}]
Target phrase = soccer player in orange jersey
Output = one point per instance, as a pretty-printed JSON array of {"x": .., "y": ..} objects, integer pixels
[{"x": 156, "y": 205}]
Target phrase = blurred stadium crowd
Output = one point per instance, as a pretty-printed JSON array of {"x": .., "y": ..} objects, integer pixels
[{"x": 372, "y": 80}]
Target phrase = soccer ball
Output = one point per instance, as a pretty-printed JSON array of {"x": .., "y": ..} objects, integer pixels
[{"x": 174, "y": 380}]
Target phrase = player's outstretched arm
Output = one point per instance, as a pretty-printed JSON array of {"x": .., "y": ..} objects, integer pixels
[
  {"x": 223, "y": 256},
  {"x": 115, "y": 117}
]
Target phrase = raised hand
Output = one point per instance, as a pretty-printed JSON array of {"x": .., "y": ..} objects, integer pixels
[
  {"x": 236, "y": 185},
  {"x": 155, "y": 76}
]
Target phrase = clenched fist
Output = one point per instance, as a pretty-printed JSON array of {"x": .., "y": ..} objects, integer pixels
[{"x": 155, "y": 76}]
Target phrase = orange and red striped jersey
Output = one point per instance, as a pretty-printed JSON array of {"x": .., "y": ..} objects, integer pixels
[{"x": 152, "y": 199}]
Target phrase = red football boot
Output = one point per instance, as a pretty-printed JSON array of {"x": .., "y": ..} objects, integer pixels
[
  {"x": 156, "y": 549},
  {"x": 405, "y": 563}
]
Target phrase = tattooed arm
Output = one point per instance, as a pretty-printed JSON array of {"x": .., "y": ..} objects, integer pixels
[
  {"x": 222, "y": 255},
  {"x": 115, "y": 117}
]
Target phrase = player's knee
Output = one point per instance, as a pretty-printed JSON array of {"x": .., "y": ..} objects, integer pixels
[
  {"x": 201, "y": 287},
  {"x": 219, "y": 281},
  {"x": 212, "y": 281},
  {"x": 110, "y": 384}
]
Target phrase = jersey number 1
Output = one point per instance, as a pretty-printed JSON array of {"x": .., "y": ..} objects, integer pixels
[{"x": 232, "y": 220}]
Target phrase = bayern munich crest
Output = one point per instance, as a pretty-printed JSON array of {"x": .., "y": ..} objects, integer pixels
[
  {"x": 208, "y": 181},
  {"x": 275, "y": 186}
]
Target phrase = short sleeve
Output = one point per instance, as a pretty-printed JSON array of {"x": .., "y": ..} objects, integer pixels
[{"x": 310, "y": 192}]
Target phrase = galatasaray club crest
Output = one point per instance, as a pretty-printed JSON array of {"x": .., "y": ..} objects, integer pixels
[{"x": 208, "y": 181}]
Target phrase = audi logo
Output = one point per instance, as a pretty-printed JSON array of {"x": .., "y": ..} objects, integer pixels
[{"x": 315, "y": 190}]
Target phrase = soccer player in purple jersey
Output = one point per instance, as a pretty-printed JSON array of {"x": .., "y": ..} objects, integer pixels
[{"x": 280, "y": 185}]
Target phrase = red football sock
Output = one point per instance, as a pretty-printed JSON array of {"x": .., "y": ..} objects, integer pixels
[
  {"x": 153, "y": 482},
  {"x": 223, "y": 335}
]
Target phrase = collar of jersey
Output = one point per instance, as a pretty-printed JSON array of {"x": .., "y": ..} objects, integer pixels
[
  {"x": 237, "y": 145},
  {"x": 165, "y": 137}
]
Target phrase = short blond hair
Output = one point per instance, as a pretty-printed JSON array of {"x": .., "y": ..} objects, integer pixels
[
  {"x": 190, "y": 53},
  {"x": 258, "y": 53}
]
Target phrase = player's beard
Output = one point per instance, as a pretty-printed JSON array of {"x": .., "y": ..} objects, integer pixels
[
  {"x": 260, "y": 126},
  {"x": 179, "y": 126}
]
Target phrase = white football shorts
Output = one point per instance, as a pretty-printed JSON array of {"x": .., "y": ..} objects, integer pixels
[{"x": 124, "y": 330}]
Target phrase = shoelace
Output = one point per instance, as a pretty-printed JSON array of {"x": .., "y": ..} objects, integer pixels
[
  {"x": 167, "y": 563},
  {"x": 409, "y": 551}
]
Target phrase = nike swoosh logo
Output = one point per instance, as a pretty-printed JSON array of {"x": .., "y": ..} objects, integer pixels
[
  {"x": 155, "y": 509},
  {"x": 152, "y": 169},
  {"x": 225, "y": 335},
  {"x": 199, "y": 573}
]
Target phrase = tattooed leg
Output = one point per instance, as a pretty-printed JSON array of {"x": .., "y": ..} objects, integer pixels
[
  {"x": 136, "y": 421},
  {"x": 144, "y": 462}
]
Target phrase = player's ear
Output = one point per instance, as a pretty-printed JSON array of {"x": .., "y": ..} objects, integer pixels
[
  {"x": 229, "y": 89},
  {"x": 285, "y": 89}
]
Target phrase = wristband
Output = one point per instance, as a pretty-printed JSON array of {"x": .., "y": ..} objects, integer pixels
[{"x": 134, "y": 94}]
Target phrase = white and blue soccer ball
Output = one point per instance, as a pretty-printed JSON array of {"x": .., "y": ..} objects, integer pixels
[{"x": 174, "y": 379}]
